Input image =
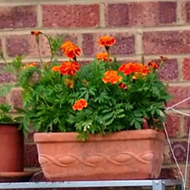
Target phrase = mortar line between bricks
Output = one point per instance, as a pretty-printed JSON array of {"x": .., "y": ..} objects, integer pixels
[
  {"x": 3, "y": 44},
  {"x": 181, "y": 127},
  {"x": 28, "y": 2},
  {"x": 20, "y": 31},
  {"x": 91, "y": 58},
  {"x": 138, "y": 43},
  {"x": 102, "y": 15},
  {"x": 39, "y": 16},
  {"x": 179, "y": 13},
  {"x": 170, "y": 165},
  {"x": 28, "y": 59},
  {"x": 79, "y": 42},
  {"x": 119, "y": 57},
  {"x": 180, "y": 68}
]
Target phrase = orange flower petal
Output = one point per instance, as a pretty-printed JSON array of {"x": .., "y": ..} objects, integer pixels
[
  {"x": 70, "y": 49},
  {"x": 69, "y": 68},
  {"x": 102, "y": 56},
  {"x": 107, "y": 41},
  {"x": 112, "y": 77},
  {"x": 55, "y": 69}
]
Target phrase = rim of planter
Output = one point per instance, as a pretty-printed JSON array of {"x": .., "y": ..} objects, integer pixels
[{"x": 122, "y": 135}]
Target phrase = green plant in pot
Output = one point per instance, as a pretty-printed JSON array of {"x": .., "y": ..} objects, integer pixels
[
  {"x": 12, "y": 131},
  {"x": 96, "y": 121}
]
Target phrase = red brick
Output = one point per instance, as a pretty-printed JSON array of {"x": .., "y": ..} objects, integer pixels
[
  {"x": 143, "y": 14},
  {"x": 173, "y": 125},
  {"x": 169, "y": 70},
  {"x": 117, "y": 14},
  {"x": 186, "y": 69},
  {"x": 124, "y": 44},
  {"x": 179, "y": 93},
  {"x": 6, "y": 77},
  {"x": 26, "y": 44},
  {"x": 31, "y": 156},
  {"x": 180, "y": 150},
  {"x": 167, "y": 12},
  {"x": 18, "y": 16},
  {"x": 166, "y": 42},
  {"x": 186, "y": 11},
  {"x": 71, "y": 15},
  {"x": 167, "y": 155},
  {"x": 16, "y": 98},
  {"x": 140, "y": 14}
]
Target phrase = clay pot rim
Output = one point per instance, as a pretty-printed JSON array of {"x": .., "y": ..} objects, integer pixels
[
  {"x": 122, "y": 135},
  {"x": 9, "y": 128}
]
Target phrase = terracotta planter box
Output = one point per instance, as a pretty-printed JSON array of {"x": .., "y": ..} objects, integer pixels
[{"x": 122, "y": 155}]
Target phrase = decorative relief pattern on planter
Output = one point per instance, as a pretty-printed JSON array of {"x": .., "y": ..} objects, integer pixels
[{"x": 94, "y": 160}]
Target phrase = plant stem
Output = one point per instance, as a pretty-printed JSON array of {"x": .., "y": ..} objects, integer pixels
[
  {"x": 51, "y": 49},
  {"x": 39, "y": 53}
]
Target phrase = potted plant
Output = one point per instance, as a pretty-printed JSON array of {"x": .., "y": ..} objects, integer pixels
[
  {"x": 101, "y": 120},
  {"x": 12, "y": 134}
]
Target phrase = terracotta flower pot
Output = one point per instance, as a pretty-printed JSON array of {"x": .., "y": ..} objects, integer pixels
[
  {"x": 11, "y": 148},
  {"x": 122, "y": 155}
]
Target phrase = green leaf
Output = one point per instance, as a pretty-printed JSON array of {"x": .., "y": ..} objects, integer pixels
[
  {"x": 108, "y": 116},
  {"x": 5, "y": 108},
  {"x": 121, "y": 116},
  {"x": 137, "y": 125},
  {"x": 5, "y": 89}
]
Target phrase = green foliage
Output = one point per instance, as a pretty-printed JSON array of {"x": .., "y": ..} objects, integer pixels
[
  {"x": 49, "y": 96},
  {"x": 5, "y": 89},
  {"x": 5, "y": 117}
]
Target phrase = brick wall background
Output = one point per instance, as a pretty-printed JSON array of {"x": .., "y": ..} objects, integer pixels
[{"x": 151, "y": 28}]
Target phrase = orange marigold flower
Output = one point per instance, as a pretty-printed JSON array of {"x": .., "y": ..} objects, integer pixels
[
  {"x": 107, "y": 41},
  {"x": 129, "y": 68},
  {"x": 55, "y": 69},
  {"x": 65, "y": 45},
  {"x": 102, "y": 56},
  {"x": 69, "y": 83},
  {"x": 80, "y": 104},
  {"x": 30, "y": 65},
  {"x": 145, "y": 70},
  {"x": 70, "y": 49},
  {"x": 36, "y": 32},
  {"x": 69, "y": 68},
  {"x": 122, "y": 85},
  {"x": 112, "y": 77},
  {"x": 153, "y": 64}
]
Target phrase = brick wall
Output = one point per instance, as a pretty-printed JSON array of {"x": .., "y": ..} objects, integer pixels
[{"x": 151, "y": 28}]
